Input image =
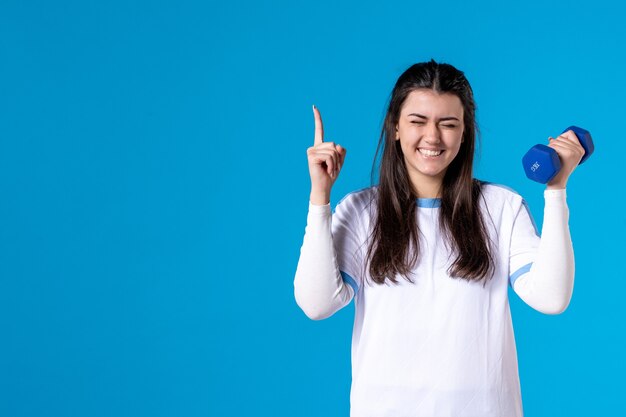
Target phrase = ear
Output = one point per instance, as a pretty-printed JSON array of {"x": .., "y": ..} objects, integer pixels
[{"x": 397, "y": 136}]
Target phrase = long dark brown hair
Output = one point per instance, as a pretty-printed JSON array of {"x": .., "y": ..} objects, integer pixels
[{"x": 394, "y": 244}]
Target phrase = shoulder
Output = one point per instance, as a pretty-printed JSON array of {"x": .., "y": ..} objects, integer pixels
[
  {"x": 499, "y": 194},
  {"x": 357, "y": 201}
]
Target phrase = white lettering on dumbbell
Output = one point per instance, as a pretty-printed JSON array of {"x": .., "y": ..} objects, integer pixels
[{"x": 535, "y": 166}]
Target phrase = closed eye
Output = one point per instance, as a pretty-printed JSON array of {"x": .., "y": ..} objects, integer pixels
[{"x": 421, "y": 123}]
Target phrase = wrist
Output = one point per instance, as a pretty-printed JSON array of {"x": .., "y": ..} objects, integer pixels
[
  {"x": 557, "y": 186},
  {"x": 319, "y": 198}
]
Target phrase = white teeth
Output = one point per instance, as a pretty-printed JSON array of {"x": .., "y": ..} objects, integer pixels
[{"x": 429, "y": 153}]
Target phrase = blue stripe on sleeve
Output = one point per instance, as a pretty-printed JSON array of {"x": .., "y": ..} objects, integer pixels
[
  {"x": 521, "y": 271},
  {"x": 350, "y": 281}
]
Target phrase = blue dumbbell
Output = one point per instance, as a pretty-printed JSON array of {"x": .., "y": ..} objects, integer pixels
[{"x": 542, "y": 163}]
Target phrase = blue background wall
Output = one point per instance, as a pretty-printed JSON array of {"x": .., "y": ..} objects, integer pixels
[{"x": 154, "y": 193}]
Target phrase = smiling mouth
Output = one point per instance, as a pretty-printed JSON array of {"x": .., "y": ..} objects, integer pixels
[{"x": 430, "y": 154}]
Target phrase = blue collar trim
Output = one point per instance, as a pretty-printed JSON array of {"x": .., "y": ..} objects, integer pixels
[{"x": 429, "y": 202}]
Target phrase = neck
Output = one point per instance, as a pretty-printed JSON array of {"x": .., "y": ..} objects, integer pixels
[{"x": 427, "y": 187}]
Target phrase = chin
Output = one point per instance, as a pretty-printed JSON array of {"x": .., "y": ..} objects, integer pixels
[{"x": 432, "y": 174}]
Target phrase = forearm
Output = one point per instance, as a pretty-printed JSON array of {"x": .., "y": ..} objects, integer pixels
[
  {"x": 549, "y": 284},
  {"x": 318, "y": 287}
]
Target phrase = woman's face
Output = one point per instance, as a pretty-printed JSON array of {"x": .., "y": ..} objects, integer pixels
[{"x": 430, "y": 132}]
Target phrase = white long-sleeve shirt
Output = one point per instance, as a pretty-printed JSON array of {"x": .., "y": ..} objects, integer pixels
[{"x": 405, "y": 333}]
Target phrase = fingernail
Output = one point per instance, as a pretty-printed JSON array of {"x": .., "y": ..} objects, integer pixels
[{"x": 314, "y": 106}]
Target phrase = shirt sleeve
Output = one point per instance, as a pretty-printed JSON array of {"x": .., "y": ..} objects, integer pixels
[
  {"x": 319, "y": 289},
  {"x": 348, "y": 241},
  {"x": 542, "y": 266}
]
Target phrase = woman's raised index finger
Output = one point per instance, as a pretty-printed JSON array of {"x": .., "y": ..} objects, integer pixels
[{"x": 319, "y": 128}]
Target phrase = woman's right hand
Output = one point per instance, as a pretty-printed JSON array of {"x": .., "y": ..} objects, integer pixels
[{"x": 325, "y": 163}]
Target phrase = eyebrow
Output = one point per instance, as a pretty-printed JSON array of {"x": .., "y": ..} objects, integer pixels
[{"x": 443, "y": 118}]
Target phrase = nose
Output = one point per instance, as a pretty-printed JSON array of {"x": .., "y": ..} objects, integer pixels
[{"x": 431, "y": 134}]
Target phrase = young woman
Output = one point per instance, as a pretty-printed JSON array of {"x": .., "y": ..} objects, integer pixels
[{"x": 428, "y": 255}]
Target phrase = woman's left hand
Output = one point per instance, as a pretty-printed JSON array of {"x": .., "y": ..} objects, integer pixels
[{"x": 570, "y": 152}]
